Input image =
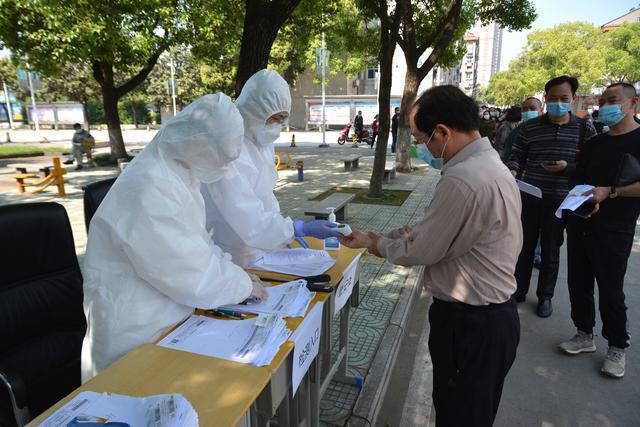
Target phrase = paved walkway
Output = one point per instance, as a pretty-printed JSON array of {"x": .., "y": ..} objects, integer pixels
[{"x": 381, "y": 283}]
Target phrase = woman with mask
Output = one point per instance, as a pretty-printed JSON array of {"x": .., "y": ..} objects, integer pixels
[
  {"x": 150, "y": 260},
  {"x": 242, "y": 212}
]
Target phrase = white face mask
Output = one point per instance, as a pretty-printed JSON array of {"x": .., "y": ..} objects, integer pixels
[{"x": 271, "y": 133}]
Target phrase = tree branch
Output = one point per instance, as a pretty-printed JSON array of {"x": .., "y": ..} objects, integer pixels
[
  {"x": 455, "y": 7},
  {"x": 450, "y": 21},
  {"x": 136, "y": 80},
  {"x": 97, "y": 72}
]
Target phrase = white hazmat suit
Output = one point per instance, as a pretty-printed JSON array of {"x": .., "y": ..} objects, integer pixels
[
  {"x": 150, "y": 259},
  {"x": 242, "y": 210}
]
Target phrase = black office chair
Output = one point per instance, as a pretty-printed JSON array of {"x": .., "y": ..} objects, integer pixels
[
  {"x": 42, "y": 321},
  {"x": 93, "y": 196}
]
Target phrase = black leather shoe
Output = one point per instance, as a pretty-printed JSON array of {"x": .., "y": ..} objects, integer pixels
[
  {"x": 545, "y": 308},
  {"x": 520, "y": 297}
]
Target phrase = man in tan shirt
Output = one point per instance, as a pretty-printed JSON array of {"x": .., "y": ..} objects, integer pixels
[{"x": 468, "y": 242}]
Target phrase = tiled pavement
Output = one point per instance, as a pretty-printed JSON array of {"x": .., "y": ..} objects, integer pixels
[{"x": 380, "y": 284}]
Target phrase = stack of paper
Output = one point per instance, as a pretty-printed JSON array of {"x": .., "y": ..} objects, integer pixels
[
  {"x": 287, "y": 300},
  {"x": 575, "y": 198},
  {"x": 297, "y": 262},
  {"x": 91, "y": 408},
  {"x": 252, "y": 341}
]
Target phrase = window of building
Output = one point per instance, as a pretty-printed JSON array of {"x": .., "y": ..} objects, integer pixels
[{"x": 371, "y": 73}]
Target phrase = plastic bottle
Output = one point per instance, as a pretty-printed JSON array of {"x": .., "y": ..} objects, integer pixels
[{"x": 332, "y": 243}]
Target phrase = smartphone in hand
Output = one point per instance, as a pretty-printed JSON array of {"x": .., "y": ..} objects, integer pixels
[{"x": 585, "y": 209}]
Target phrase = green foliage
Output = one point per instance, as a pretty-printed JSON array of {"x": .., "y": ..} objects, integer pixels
[
  {"x": 124, "y": 33},
  {"x": 575, "y": 48},
  {"x": 187, "y": 76},
  {"x": 95, "y": 112},
  {"x": 623, "y": 54},
  {"x": 75, "y": 84}
]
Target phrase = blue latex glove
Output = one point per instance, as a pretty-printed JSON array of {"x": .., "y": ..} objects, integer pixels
[{"x": 319, "y": 228}]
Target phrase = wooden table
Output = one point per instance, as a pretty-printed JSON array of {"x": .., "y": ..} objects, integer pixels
[
  {"x": 221, "y": 392},
  {"x": 224, "y": 392}
]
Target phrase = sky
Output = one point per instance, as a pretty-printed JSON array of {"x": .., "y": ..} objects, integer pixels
[{"x": 553, "y": 12}]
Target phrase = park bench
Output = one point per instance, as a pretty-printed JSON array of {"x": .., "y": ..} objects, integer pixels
[
  {"x": 351, "y": 162},
  {"x": 337, "y": 201},
  {"x": 54, "y": 177},
  {"x": 389, "y": 171},
  {"x": 22, "y": 168}
]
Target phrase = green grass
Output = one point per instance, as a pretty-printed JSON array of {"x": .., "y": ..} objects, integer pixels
[
  {"x": 390, "y": 198},
  {"x": 16, "y": 151}
]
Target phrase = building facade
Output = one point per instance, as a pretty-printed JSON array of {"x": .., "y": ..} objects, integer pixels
[{"x": 489, "y": 51}]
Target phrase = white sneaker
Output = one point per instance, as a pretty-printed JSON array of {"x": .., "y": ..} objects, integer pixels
[
  {"x": 614, "y": 363},
  {"x": 582, "y": 342}
]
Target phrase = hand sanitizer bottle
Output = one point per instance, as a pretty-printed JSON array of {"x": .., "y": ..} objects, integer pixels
[{"x": 332, "y": 243}]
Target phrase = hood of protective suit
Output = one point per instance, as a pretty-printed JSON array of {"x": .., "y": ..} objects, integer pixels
[
  {"x": 263, "y": 95},
  {"x": 204, "y": 138}
]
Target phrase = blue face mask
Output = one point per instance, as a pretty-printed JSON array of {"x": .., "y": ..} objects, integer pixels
[
  {"x": 427, "y": 157},
  {"x": 558, "y": 109},
  {"x": 528, "y": 115},
  {"x": 611, "y": 114}
]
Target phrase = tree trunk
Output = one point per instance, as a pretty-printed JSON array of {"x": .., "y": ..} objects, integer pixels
[
  {"x": 387, "y": 46},
  {"x": 85, "y": 110},
  {"x": 116, "y": 142},
  {"x": 133, "y": 114},
  {"x": 262, "y": 21},
  {"x": 411, "y": 84}
]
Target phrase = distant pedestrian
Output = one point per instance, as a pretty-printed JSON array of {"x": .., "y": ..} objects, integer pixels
[
  {"x": 375, "y": 127},
  {"x": 358, "y": 125},
  {"x": 599, "y": 246},
  {"x": 394, "y": 128},
  {"x": 82, "y": 143}
]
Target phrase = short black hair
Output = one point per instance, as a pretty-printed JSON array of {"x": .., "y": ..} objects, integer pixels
[
  {"x": 556, "y": 81},
  {"x": 514, "y": 114},
  {"x": 628, "y": 89},
  {"x": 77, "y": 126},
  {"x": 446, "y": 105},
  {"x": 595, "y": 114}
]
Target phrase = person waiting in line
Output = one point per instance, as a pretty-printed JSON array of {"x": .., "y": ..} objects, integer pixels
[
  {"x": 242, "y": 211},
  {"x": 375, "y": 127},
  {"x": 544, "y": 155},
  {"x": 468, "y": 243},
  {"x": 487, "y": 126},
  {"x": 150, "y": 260},
  {"x": 80, "y": 145},
  {"x": 511, "y": 121},
  {"x": 598, "y": 247},
  {"x": 394, "y": 129}
]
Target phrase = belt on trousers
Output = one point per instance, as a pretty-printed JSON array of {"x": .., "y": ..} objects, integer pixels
[{"x": 460, "y": 306}]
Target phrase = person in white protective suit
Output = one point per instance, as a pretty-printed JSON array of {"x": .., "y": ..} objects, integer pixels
[
  {"x": 150, "y": 260},
  {"x": 242, "y": 211}
]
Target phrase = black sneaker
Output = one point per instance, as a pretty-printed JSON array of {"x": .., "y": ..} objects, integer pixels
[
  {"x": 545, "y": 308},
  {"x": 79, "y": 167},
  {"x": 67, "y": 162}
]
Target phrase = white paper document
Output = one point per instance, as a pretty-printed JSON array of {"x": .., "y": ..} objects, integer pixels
[
  {"x": 297, "y": 262},
  {"x": 345, "y": 287},
  {"x": 575, "y": 198},
  {"x": 163, "y": 410},
  {"x": 525, "y": 187},
  {"x": 287, "y": 300},
  {"x": 252, "y": 341}
]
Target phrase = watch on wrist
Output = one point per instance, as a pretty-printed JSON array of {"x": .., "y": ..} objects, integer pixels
[{"x": 613, "y": 193}]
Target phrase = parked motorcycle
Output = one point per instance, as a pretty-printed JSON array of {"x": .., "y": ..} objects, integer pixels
[{"x": 365, "y": 136}]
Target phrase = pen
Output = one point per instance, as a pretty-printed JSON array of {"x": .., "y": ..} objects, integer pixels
[{"x": 227, "y": 313}]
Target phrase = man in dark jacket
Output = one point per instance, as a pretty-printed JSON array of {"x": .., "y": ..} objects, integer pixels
[{"x": 394, "y": 129}]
